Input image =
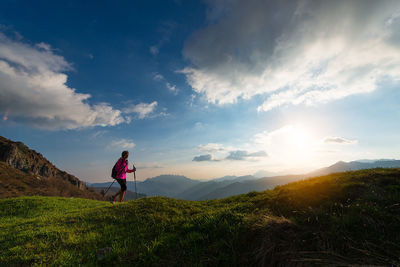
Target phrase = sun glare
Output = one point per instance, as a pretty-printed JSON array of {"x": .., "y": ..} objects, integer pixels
[
  {"x": 294, "y": 144},
  {"x": 300, "y": 138}
]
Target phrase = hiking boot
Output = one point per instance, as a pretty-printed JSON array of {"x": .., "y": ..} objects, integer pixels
[{"x": 112, "y": 199}]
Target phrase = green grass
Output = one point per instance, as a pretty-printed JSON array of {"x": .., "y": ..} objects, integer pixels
[{"x": 340, "y": 219}]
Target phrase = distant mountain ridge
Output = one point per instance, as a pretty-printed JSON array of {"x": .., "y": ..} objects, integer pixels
[
  {"x": 162, "y": 185},
  {"x": 242, "y": 187},
  {"x": 182, "y": 187},
  {"x": 373, "y": 160},
  {"x": 36, "y": 174},
  {"x": 342, "y": 166},
  {"x": 234, "y": 178}
]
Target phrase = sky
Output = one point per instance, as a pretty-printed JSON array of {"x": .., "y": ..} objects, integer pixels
[{"x": 201, "y": 88}]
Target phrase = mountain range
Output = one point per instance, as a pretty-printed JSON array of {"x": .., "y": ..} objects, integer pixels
[
  {"x": 26, "y": 172},
  {"x": 182, "y": 187}
]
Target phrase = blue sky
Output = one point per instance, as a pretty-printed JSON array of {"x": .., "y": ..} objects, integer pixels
[{"x": 201, "y": 88}]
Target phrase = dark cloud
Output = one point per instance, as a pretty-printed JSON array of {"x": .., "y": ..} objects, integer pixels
[
  {"x": 236, "y": 39},
  {"x": 295, "y": 52},
  {"x": 243, "y": 155},
  {"x": 207, "y": 157},
  {"x": 233, "y": 155}
]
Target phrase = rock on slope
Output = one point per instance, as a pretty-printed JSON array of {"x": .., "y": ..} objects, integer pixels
[{"x": 23, "y": 165}]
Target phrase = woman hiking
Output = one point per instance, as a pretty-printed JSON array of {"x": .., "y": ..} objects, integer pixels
[{"x": 121, "y": 168}]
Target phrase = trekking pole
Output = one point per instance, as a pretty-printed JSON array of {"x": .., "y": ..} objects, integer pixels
[
  {"x": 134, "y": 176},
  {"x": 109, "y": 188}
]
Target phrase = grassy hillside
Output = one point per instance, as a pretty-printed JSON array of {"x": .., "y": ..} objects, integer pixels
[
  {"x": 129, "y": 195},
  {"x": 340, "y": 219}
]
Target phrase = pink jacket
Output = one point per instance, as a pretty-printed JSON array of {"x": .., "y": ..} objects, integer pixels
[{"x": 122, "y": 168}]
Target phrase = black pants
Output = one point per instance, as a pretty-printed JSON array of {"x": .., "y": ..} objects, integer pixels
[{"x": 122, "y": 183}]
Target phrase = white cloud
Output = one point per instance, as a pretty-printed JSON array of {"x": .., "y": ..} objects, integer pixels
[
  {"x": 121, "y": 144},
  {"x": 98, "y": 134},
  {"x": 338, "y": 140},
  {"x": 143, "y": 110},
  {"x": 33, "y": 90},
  {"x": 211, "y": 147},
  {"x": 171, "y": 87},
  {"x": 219, "y": 152},
  {"x": 191, "y": 100},
  {"x": 158, "y": 77},
  {"x": 44, "y": 46},
  {"x": 154, "y": 50},
  {"x": 266, "y": 137},
  {"x": 294, "y": 52}
]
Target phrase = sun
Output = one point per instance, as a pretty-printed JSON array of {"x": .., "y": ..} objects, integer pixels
[
  {"x": 294, "y": 144},
  {"x": 291, "y": 146},
  {"x": 300, "y": 138}
]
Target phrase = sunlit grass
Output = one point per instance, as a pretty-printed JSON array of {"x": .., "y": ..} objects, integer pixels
[{"x": 345, "y": 218}]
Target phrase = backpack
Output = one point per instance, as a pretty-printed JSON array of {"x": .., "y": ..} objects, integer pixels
[{"x": 114, "y": 171}]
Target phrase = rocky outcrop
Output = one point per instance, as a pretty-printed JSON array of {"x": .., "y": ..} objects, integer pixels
[{"x": 19, "y": 156}]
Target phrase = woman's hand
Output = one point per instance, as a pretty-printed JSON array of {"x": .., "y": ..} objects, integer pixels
[{"x": 133, "y": 170}]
